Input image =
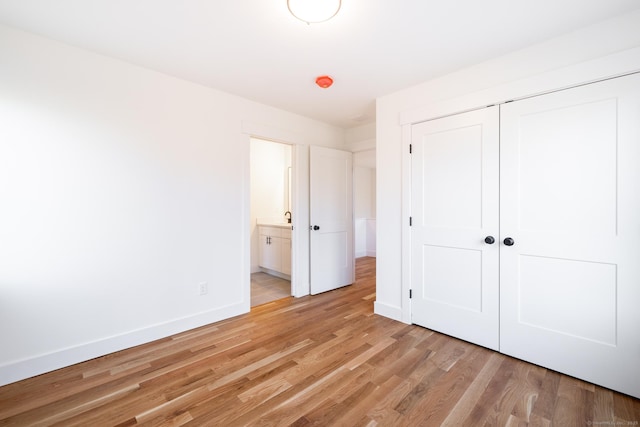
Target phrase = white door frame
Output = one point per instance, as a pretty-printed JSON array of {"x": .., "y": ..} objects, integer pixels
[
  {"x": 300, "y": 202},
  {"x": 292, "y": 202}
]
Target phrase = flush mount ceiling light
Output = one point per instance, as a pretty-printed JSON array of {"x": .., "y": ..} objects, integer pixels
[
  {"x": 324, "y": 81},
  {"x": 314, "y": 11}
]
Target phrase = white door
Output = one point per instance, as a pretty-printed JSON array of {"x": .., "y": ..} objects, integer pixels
[
  {"x": 454, "y": 208},
  {"x": 331, "y": 219},
  {"x": 570, "y": 200}
]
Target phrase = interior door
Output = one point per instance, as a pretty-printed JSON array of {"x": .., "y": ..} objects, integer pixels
[
  {"x": 331, "y": 219},
  {"x": 570, "y": 202},
  {"x": 454, "y": 208}
]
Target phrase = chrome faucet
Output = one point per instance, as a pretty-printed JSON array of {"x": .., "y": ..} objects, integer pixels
[{"x": 289, "y": 217}]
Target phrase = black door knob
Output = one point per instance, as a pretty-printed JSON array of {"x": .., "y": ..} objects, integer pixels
[
  {"x": 489, "y": 240},
  {"x": 509, "y": 241},
  {"x": 316, "y": 227}
]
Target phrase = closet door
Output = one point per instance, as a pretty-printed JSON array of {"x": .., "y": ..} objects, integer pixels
[
  {"x": 454, "y": 208},
  {"x": 570, "y": 202}
]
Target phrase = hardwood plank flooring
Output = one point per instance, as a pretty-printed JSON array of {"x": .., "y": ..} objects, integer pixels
[{"x": 323, "y": 360}]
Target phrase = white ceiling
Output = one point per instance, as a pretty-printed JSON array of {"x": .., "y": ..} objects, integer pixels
[{"x": 257, "y": 50}]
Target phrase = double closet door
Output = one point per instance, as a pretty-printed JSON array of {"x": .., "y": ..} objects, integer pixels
[{"x": 526, "y": 230}]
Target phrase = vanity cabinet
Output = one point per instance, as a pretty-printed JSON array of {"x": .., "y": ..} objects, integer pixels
[{"x": 275, "y": 248}]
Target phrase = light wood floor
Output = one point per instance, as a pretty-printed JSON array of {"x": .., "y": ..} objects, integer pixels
[
  {"x": 266, "y": 288},
  {"x": 323, "y": 360}
]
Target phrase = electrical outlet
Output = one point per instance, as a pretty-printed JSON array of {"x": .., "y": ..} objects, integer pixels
[{"x": 203, "y": 288}]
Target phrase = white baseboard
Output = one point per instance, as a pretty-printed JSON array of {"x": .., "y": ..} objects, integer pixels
[
  {"x": 366, "y": 253},
  {"x": 30, "y": 367},
  {"x": 389, "y": 311},
  {"x": 275, "y": 273}
]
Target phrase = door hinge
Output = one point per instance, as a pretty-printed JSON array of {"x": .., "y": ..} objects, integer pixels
[
  {"x": 410, "y": 221},
  {"x": 410, "y": 293},
  {"x": 410, "y": 148}
]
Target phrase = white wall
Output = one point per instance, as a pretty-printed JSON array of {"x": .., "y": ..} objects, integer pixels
[
  {"x": 360, "y": 138},
  {"x": 121, "y": 189},
  {"x": 364, "y": 187},
  {"x": 599, "y": 51},
  {"x": 269, "y": 194}
]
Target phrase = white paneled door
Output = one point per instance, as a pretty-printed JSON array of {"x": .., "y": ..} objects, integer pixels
[
  {"x": 560, "y": 285},
  {"x": 570, "y": 202},
  {"x": 331, "y": 219},
  {"x": 454, "y": 233}
]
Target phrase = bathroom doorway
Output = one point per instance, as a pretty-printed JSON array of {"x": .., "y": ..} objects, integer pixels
[{"x": 271, "y": 220}]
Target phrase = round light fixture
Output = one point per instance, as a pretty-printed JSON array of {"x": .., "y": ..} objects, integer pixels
[
  {"x": 324, "y": 81},
  {"x": 314, "y": 11}
]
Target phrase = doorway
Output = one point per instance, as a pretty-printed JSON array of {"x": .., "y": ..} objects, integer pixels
[
  {"x": 364, "y": 203},
  {"x": 271, "y": 220}
]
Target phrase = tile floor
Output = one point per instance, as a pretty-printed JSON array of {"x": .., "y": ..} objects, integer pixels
[{"x": 266, "y": 288}]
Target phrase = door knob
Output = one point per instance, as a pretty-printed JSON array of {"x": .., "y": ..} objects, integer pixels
[
  {"x": 509, "y": 241},
  {"x": 489, "y": 240},
  {"x": 316, "y": 227}
]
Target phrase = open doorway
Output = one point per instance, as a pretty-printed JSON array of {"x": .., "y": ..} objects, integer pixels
[
  {"x": 271, "y": 220},
  {"x": 364, "y": 202}
]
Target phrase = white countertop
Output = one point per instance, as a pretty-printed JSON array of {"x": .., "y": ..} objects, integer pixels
[{"x": 274, "y": 224}]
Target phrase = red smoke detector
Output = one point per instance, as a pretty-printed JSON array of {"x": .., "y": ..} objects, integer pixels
[{"x": 324, "y": 81}]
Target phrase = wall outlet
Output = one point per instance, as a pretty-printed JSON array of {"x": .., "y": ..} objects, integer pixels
[{"x": 203, "y": 288}]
